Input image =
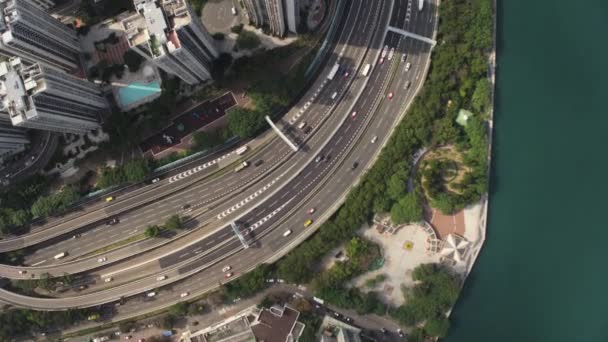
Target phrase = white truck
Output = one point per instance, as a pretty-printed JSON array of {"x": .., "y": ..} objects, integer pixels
[
  {"x": 241, "y": 150},
  {"x": 242, "y": 166},
  {"x": 366, "y": 68},
  {"x": 60, "y": 255},
  {"x": 333, "y": 71}
]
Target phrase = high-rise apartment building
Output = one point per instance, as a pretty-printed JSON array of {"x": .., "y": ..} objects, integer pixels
[
  {"x": 168, "y": 33},
  {"x": 45, "y": 4},
  {"x": 27, "y": 31},
  {"x": 277, "y": 16},
  {"x": 41, "y": 97},
  {"x": 12, "y": 139}
]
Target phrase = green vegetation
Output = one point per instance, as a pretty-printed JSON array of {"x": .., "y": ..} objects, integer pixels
[
  {"x": 373, "y": 282},
  {"x": 17, "y": 323},
  {"x": 54, "y": 203},
  {"x": 270, "y": 90},
  {"x": 248, "y": 284},
  {"x": 152, "y": 231},
  {"x": 133, "y": 60},
  {"x": 247, "y": 40},
  {"x": 136, "y": 170},
  {"x": 198, "y": 5},
  {"x": 435, "y": 292},
  {"x": 237, "y": 28},
  {"x": 218, "y": 36},
  {"x": 91, "y": 14},
  {"x": 154, "y": 46},
  {"x": 407, "y": 210},
  {"x": 174, "y": 222}
]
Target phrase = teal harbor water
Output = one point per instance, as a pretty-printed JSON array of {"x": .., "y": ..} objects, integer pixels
[{"x": 543, "y": 274}]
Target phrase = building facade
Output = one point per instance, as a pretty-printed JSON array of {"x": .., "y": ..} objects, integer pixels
[
  {"x": 30, "y": 33},
  {"x": 41, "y": 97},
  {"x": 44, "y": 4},
  {"x": 169, "y": 34},
  {"x": 12, "y": 139},
  {"x": 274, "y": 16}
]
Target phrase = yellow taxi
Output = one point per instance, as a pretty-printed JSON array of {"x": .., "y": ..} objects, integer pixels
[
  {"x": 109, "y": 199},
  {"x": 307, "y": 223}
]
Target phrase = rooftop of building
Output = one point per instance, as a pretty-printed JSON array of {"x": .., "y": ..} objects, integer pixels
[
  {"x": 17, "y": 83},
  {"x": 275, "y": 324}
]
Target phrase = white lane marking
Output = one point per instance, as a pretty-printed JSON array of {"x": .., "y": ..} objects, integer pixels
[{"x": 39, "y": 262}]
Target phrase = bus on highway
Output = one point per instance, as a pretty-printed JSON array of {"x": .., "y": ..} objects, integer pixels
[
  {"x": 366, "y": 69},
  {"x": 333, "y": 71},
  {"x": 242, "y": 150},
  {"x": 60, "y": 255}
]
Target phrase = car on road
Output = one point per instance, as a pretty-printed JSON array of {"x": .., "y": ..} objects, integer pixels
[
  {"x": 381, "y": 60},
  {"x": 233, "y": 10},
  {"x": 403, "y": 57},
  {"x": 185, "y": 206},
  {"x": 109, "y": 198},
  {"x": 108, "y": 279},
  {"x": 319, "y": 158},
  {"x": 408, "y": 66},
  {"x": 226, "y": 269},
  {"x": 407, "y": 85},
  {"x": 308, "y": 130},
  {"x": 22, "y": 272},
  {"x": 353, "y": 115},
  {"x": 383, "y": 330},
  {"x": 102, "y": 259},
  {"x": 287, "y": 232},
  {"x": 311, "y": 210},
  {"x": 258, "y": 163},
  {"x": 390, "y": 96},
  {"x": 374, "y": 139},
  {"x": 307, "y": 223},
  {"x": 184, "y": 294},
  {"x": 400, "y": 333},
  {"x": 228, "y": 275},
  {"x": 113, "y": 221},
  {"x": 155, "y": 180},
  {"x": 128, "y": 337},
  {"x": 151, "y": 294},
  {"x": 354, "y": 166},
  {"x": 76, "y": 236},
  {"x": 346, "y": 73},
  {"x": 161, "y": 278}
]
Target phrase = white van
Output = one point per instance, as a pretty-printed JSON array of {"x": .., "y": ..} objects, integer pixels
[
  {"x": 233, "y": 10},
  {"x": 302, "y": 124},
  {"x": 287, "y": 232},
  {"x": 60, "y": 255},
  {"x": 333, "y": 96},
  {"x": 161, "y": 278},
  {"x": 108, "y": 279},
  {"x": 151, "y": 294}
]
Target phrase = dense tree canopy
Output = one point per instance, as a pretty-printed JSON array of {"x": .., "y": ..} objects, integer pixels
[{"x": 407, "y": 210}]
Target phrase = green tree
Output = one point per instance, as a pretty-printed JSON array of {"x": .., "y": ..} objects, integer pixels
[
  {"x": 247, "y": 40},
  {"x": 396, "y": 186},
  {"x": 152, "y": 231},
  {"x": 437, "y": 327},
  {"x": 133, "y": 60},
  {"x": 174, "y": 222},
  {"x": 218, "y": 36},
  {"x": 407, "y": 210},
  {"x": 480, "y": 101},
  {"x": 237, "y": 28},
  {"x": 136, "y": 170},
  {"x": 179, "y": 309},
  {"x": 245, "y": 122}
]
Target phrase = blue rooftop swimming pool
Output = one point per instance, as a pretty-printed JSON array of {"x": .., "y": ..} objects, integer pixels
[{"x": 137, "y": 91}]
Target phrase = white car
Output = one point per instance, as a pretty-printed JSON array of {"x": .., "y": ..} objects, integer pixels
[
  {"x": 374, "y": 139},
  {"x": 287, "y": 232},
  {"x": 102, "y": 259},
  {"x": 408, "y": 66},
  {"x": 226, "y": 269},
  {"x": 151, "y": 294},
  {"x": 108, "y": 279},
  {"x": 161, "y": 278},
  {"x": 184, "y": 294}
]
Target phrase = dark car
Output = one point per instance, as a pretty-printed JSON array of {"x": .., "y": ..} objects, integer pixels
[
  {"x": 185, "y": 206},
  {"x": 355, "y": 164},
  {"x": 307, "y": 130},
  {"x": 258, "y": 163}
]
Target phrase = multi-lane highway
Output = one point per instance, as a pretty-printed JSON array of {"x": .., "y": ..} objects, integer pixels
[{"x": 307, "y": 183}]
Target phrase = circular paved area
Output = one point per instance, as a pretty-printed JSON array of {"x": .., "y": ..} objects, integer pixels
[{"x": 217, "y": 15}]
